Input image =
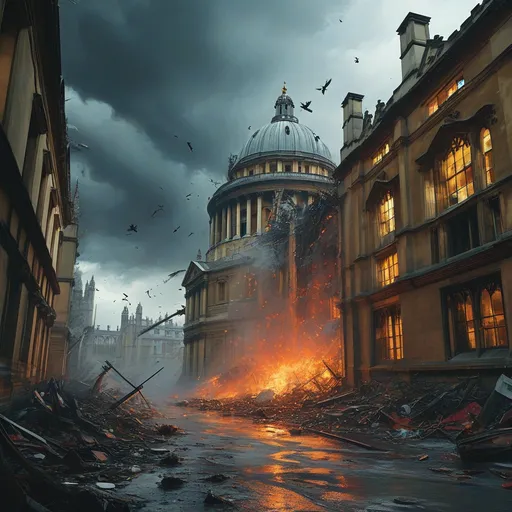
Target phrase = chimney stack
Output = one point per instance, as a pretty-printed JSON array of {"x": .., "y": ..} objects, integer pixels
[
  {"x": 352, "y": 117},
  {"x": 414, "y": 33}
]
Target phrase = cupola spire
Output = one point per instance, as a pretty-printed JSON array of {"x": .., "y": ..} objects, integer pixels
[{"x": 284, "y": 108}]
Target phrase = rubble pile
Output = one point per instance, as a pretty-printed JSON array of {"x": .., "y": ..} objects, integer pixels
[
  {"x": 463, "y": 412},
  {"x": 70, "y": 446}
]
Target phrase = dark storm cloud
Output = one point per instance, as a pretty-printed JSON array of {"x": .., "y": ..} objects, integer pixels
[
  {"x": 197, "y": 69},
  {"x": 177, "y": 67}
]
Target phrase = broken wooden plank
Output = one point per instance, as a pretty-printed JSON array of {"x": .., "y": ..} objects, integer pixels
[
  {"x": 23, "y": 429},
  {"x": 335, "y": 398},
  {"x": 343, "y": 438}
]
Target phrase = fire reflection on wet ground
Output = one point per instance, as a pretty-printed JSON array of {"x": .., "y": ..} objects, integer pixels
[{"x": 272, "y": 471}]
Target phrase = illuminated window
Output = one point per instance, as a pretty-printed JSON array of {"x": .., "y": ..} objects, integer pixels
[
  {"x": 386, "y": 214},
  {"x": 446, "y": 93},
  {"x": 482, "y": 327},
  {"x": 494, "y": 331},
  {"x": 387, "y": 269},
  {"x": 381, "y": 153},
  {"x": 335, "y": 308},
  {"x": 250, "y": 286},
  {"x": 221, "y": 291},
  {"x": 457, "y": 172},
  {"x": 486, "y": 144},
  {"x": 388, "y": 334}
]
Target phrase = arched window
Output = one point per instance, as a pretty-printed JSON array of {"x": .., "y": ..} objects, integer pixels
[
  {"x": 486, "y": 145},
  {"x": 493, "y": 318},
  {"x": 456, "y": 172},
  {"x": 386, "y": 214}
]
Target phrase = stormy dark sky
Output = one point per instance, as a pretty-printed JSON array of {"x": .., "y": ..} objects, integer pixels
[{"x": 140, "y": 72}]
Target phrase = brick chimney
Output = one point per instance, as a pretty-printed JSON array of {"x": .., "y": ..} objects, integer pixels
[
  {"x": 352, "y": 117},
  {"x": 414, "y": 33}
]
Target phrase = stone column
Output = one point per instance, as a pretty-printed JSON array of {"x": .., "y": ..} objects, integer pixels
[
  {"x": 223, "y": 234},
  {"x": 228, "y": 223},
  {"x": 258, "y": 213},
  {"x": 187, "y": 310},
  {"x": 248, "y": 214},
  {"x": 238, "y": 219},
  {"x": 212, "y": 231},
  {"x": 217, "y": 227},
  {"x": 203, "y": 301}
]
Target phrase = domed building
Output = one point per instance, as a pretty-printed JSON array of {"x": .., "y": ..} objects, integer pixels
[{"x": 283, "y": 162}]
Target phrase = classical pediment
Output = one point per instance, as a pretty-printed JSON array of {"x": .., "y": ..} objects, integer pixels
[{"x": 194, "y": 270}]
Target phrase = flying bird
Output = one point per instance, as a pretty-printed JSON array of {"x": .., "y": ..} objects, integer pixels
[
  {"x": 191, "y": 233},
  {"x": 175, "y": 136},
  {"x": 147, "y": 291},
  {"x": 97, "y": 290},
  {"x": 249, "y": 128},
  {"x": 188, "y": 195},
  {"x": 324, "y": 87},
  {"x": 341, "y": 21},
  {"x": 356, "y": 60},
  {"x": 305, "y": 106},
  {"x": 159, "y": 209},
  {"x": 190, "y": 146},
  {"x": 176, "y": 229},
  {"x": 125, "y": 295},
  {"x": 133, "y": 227}
]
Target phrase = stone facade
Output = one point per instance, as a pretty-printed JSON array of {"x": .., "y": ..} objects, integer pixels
[
  {"x": 426, "y": 195},
  {"x": 35, "y": 207}
]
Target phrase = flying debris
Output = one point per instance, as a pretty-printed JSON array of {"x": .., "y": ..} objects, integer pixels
[
  {"x": 133, "y": 227},
  {"x": 125, "y": 295},
  {"x": 174, "y": 274},
  {"x": 324, "y": 87},
  {"x": 191, "y": 233},
  {"x": 305, "y": 106},
  {"x": 341, "y": 21},
  {"x": 147, "y": 291},
  {"x": 176, "y": 229},
  {"x": 190, "y": 146},
  {"x": 216, "y": 183},
  {"x": 188, "y": 195},
  {"x": 97, "y": 290},
  {"x": 159, "y": 209},
  {"x": 249, "y": 128},
  {"x": 356, "y": 60}
]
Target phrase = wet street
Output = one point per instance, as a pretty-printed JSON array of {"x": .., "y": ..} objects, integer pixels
[{"x": 269, "y": 470}]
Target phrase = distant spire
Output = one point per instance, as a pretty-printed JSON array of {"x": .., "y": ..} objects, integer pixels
[
  {"x": 199, "y": 256},
  {"x": 284, "y": 108},
  {"x": 284, "y": 89}
]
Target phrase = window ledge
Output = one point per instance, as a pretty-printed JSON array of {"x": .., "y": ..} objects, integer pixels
[{"x": 504, "y": 361}]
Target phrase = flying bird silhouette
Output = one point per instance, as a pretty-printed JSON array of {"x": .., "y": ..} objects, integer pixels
[
  {"x": 324, "y": 87},
  {"x": 305, "y": 106},
  {"x": 159, "y": 209},
  {"x": 190, "y": 146},
  {"x": 188, "y": 195},
  {"x": 176, "y": 229},
  {"x": 356, "y": 60},
  {"x": 147, "y": 291},
  {"x": 249, "y": 128},
  {"x": 133, "y": 227},
  {"x": 191, "y": 233},
  {"x": 341, "y": 21},
  {"x": 125, "y": 295}
]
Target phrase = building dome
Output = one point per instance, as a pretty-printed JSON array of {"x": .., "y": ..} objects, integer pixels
[
  {"x": 284, "y": 136},
  {"x": 286, "y": 139}
]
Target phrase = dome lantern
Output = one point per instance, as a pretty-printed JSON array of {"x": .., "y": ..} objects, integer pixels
[{"x": 284, "y": 108}]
